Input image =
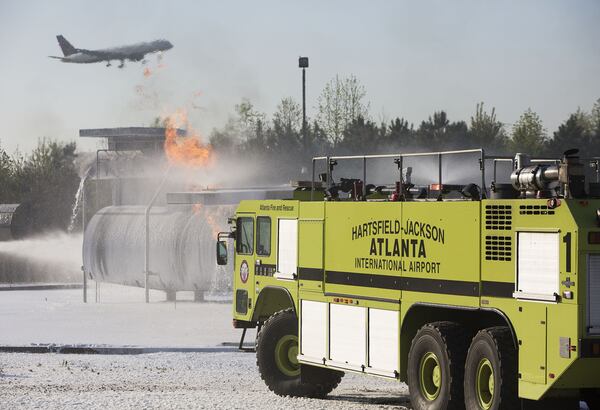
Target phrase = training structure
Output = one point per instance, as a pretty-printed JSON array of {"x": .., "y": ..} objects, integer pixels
[
  {"x": 132, "y": 235},
  {"x": 179, "y": 251},
  {"x": 142, "y": 228},
  {"x": 478, "y": 298}
]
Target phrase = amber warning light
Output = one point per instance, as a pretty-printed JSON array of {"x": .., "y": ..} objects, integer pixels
[{"x": 445, "y": 187}]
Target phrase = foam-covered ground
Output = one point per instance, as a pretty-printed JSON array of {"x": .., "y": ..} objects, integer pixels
[{"x": 119, "y": 318}]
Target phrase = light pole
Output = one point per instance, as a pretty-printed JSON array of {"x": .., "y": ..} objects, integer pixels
[{"x": 303, "y": 64}]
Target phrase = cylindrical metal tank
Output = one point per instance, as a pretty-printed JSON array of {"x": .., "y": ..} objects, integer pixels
[
  {"x": 182, "y": 247},
  {"x": 15, "y": 221}
]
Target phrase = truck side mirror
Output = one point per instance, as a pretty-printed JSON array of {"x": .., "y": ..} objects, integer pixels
[{"x": 221, "y": 253}]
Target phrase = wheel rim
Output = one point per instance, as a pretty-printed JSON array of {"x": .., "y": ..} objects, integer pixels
[
  {"x": 485, "y": 384},
  {"x": 286, "y": 355},
  {"x": 430, "y": 374}
]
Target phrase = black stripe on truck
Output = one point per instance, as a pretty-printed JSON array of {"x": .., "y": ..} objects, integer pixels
[
  {"x": 497, "y": 289},
  {"x": 442, "y": 286},
  {"x": 450, "y": 287},
  {"x": 310, "y": 274}
]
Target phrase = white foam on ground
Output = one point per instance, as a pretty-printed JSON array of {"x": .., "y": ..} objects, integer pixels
[{"x": 120, "y": 318}]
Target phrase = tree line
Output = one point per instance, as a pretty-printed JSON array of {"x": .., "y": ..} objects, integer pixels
[
  {"x": 343, "y": 125},
  {"x": 45, "y": 180}
]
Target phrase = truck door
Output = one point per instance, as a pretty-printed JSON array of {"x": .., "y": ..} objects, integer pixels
[{"x": 244, "y": 266}]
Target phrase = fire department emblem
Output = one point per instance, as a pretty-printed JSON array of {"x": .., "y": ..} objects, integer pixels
[{"x": 244, "y": 271}]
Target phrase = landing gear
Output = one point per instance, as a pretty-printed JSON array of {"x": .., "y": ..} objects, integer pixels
[
  {"x": 108, "y": 64},
  {"x": 491, "y": 371},
  {"x": 277, "y": 360},
  {"x": 435, "y": 367},
  {"x": 122, "y": 64}
]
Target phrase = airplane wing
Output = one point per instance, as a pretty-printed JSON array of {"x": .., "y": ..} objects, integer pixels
[{"x": 58, "y": 58}]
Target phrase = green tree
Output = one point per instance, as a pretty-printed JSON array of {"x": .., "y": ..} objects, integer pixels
[
  {"x": 289, "y": 114},
  {"x": 318, "y": 143},
  {"x": 248, "y": 118},
  {"x": 285, "y": 134},
  {"x": 528, "y": 134},
  {"x": 48, "y": 181},
  {"x": 6, "y": 178},
  {"x": 573, "y": 133},
  {"x": 595, "y": 132},
  {"x": 341, "y": 102},
  {"x": 400, "y": 135},
  {"x": 226, "y": 139},
  {"x": 360, "y": 136},
  {"x": 244, "y": 130},
  {"x": 438, "y": 133},
  {"x": 486, "y": 131},
  {"x": 431, "y": 132}
]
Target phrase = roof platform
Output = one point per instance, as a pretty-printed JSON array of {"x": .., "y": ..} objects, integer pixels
[{"x": 145, "y": 139}]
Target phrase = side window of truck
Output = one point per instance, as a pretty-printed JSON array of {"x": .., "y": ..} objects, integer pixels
[
  {"x": 263, "y": 236},
  {"x": 245, "y": 235}
]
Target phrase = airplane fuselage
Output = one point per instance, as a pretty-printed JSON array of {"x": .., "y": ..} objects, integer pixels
[{"x": 134, "y": 52}]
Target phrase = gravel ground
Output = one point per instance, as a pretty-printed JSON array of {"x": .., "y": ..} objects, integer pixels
[{"x": 168, "y": 381}]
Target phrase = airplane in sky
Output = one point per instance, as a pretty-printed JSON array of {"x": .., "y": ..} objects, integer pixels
[{"x": 134, "y": 52}]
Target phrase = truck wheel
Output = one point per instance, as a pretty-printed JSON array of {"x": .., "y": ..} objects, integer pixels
[
  {"x": 491, "y": 371},
  {"x": 276, "y": 358},
  {"x": 435, "y": 367}
]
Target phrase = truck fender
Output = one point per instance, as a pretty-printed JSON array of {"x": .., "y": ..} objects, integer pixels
[{"x": 272, "y": 299}]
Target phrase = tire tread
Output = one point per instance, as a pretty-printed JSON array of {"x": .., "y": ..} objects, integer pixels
[
  {"x": 328, "y": 380},
  {"x": 456, "y": 342},
  {"x": 502, "y": 339}
]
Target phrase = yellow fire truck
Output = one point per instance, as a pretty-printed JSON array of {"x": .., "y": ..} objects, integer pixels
[{"x": 478, "y": 296}]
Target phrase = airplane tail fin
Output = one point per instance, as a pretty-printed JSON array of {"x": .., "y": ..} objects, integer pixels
[{"x": 66, "y": 47}]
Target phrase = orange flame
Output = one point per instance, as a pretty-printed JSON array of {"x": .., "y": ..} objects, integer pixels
[{"x": 188, "y": 151}]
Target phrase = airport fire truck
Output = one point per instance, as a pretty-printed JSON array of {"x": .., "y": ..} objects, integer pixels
[{"x": 480, "y": 295}]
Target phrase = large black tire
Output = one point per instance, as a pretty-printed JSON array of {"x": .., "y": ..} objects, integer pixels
[
  {"x": 281, "y": 373},
  {"x": 436, "y": 363},
  {"x": 491, "y": 371}
]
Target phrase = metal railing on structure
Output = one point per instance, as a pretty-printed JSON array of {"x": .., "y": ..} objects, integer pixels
[{"x": 331, "y": 161}]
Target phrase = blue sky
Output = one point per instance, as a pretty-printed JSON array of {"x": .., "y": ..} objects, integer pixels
[{"x": 413, "y": 57}]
